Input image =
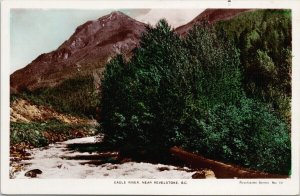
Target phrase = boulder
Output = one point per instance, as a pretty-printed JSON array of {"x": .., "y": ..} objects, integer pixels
[{"x": 33, "y": 173}]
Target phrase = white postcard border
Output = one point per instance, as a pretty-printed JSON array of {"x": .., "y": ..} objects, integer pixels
[{"x": 109, "y": 186}]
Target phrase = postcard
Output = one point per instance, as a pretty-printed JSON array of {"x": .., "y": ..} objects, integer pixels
[{"x": 150, "y": 97}]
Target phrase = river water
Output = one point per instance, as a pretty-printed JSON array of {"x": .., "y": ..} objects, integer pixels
[{"x": 59, "y": 161}]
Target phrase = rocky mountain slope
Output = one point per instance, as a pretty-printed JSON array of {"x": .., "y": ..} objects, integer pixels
[{"x": 91, "y": 46}]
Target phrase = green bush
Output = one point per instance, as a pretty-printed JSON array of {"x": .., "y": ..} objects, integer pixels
[
  {"x": 27, "y": 133},
  {"x": 33, "y": 133}
]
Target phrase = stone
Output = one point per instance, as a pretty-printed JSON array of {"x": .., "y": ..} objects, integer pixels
[
  {"x": 163, "y": 168},
  {"x": 199, "y": 175},
  {"x": 33, "y": 173}
]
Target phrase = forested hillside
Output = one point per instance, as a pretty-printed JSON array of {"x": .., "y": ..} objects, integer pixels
[{"x": 264, "y": 40}]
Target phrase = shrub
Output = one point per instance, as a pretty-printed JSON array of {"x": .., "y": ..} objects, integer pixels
[{"x": 33, "y": 133}]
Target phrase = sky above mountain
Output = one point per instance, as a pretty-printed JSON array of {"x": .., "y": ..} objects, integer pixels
[{"x": 37, "y": 31}]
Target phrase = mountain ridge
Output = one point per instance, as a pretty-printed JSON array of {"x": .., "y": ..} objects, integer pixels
[
  {"x": 91, "y": 46},
  {"x": 210, "y": 16}
]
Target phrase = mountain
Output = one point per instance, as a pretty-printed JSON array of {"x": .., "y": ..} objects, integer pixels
[
  {"x": 211, "y": 16},
  {"x": 91, "y": 46}
]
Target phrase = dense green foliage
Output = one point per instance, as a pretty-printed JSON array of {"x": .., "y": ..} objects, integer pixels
[
  {"x": 215, "y": 75},
  {"x": 73, "y": 96},
  {"x": 33, "y": 133},
  {"x": 264, "y": 40},
  {"x": 189, "y": 92},
  {"x": 246, "y": 134}
]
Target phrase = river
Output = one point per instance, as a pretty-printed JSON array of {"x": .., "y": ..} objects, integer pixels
[{"x": 60, "y": 161}]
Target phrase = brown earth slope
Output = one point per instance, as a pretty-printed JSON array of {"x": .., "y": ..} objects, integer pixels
[{"x": 22, "y": 110}]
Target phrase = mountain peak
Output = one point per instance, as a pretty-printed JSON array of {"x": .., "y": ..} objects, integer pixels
[
  {"x": 114, "y": 15},
  {"x": 90, "y": 47},
  {"x": 118, "y": 13}
]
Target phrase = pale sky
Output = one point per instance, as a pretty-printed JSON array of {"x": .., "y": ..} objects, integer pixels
[{"x": 37, "y": 31}]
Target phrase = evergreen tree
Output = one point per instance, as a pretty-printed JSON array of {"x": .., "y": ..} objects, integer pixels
[
  {"x": 152, "y": 90},
  {"x": 216, "y": 65}
]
